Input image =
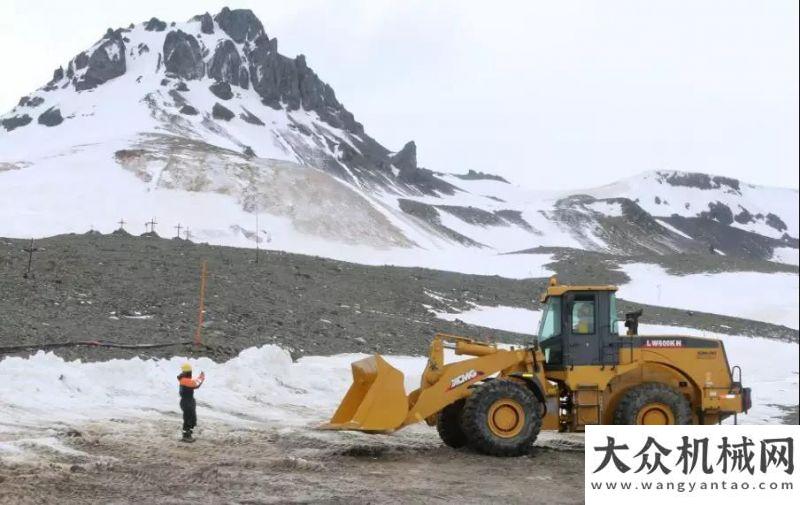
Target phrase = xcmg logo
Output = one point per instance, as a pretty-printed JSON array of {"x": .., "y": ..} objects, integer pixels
[{"x": 464, "y": 378}]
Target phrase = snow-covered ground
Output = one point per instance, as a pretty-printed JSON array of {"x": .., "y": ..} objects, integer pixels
[
  {"x": 514, "y": 319},
  {"x": 772, "y": 298},
  {"x": 43, "y": 395},
  {"x": 769, "y": 367}
]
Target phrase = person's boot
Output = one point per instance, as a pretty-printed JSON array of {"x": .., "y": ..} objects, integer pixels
[{"x": 187, "y": 436}]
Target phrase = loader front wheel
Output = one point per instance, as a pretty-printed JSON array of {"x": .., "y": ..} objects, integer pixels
[
  {"x": 449, "y": 425},
  {"x": 501, "y": 418},
  {"x": 653, "y": 403}
]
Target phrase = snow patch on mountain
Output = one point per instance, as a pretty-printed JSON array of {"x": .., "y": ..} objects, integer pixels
[
  {"x": 786, "y": 255},
  {"x": 771, "y": 212}
]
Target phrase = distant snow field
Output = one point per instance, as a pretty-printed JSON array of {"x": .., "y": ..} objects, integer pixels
[
  {"x": 786, "y": 255},
  {"x": 771, "y": 298},
  {"x": 512, "y": 319}
]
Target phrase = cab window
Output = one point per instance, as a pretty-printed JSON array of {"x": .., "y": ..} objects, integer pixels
[
  {"x": 583, "y": 315},
  {"x": 612, "y": 316},
  {"x": 550, "y": 324}
]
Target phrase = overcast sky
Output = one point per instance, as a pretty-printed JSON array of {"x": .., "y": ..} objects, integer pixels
[{"x": 550, "y": 94}]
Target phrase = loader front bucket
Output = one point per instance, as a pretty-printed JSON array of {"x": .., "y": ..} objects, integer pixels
[{"x": 376, "y": 401}]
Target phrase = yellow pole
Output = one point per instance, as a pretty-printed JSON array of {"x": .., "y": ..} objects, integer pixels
[{"x": 201, "y": 311}]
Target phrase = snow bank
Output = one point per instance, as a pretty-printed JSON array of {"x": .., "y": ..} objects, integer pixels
[
  {"x": 260, "y": 385},
  {"x": 771, "y": 298}
]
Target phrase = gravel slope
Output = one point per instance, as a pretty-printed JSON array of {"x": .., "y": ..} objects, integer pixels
[{"x": 126, "y": 289}]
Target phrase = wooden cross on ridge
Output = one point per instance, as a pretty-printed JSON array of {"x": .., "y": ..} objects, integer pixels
[
  {"x": 121, "y": 224},
  {"x": 179, "y": 230},
  {"x": 152, "y": 224}
]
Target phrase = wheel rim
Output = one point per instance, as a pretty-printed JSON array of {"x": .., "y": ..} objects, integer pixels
[
  {"x": 655, "y": 414},
  {"x": 506, "y": 418}
]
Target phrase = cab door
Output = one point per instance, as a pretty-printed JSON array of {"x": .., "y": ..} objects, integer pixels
[{"x": 581, "y": 326}]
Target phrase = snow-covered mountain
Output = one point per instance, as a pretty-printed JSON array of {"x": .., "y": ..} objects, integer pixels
[{"x": 205, "y": 124}]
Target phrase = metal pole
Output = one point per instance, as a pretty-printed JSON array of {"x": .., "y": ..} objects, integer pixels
[
  {"x": 29, "y": 250},
  {"x": 201, "y": 310}
]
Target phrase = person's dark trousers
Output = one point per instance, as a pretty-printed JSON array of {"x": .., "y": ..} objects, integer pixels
[{"x": 189, "y": 409}]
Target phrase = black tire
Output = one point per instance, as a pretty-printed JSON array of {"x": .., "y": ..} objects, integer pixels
[
  {"x": 639, "y": 396},
  {"x": 449, "y": 425},
  {"x": 475, "y": 422}
]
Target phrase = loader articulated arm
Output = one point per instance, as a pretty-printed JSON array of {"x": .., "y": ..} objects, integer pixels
[{"x": 377, "y": 402}]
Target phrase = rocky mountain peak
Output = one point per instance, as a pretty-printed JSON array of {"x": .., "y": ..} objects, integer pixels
[
  {"x": 406, "y": 158},
  {"x": 184, "y": 73},
  {"x": 240, "y": 24}
]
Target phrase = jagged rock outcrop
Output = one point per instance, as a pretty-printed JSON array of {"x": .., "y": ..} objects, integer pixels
[
  {"x": 244, "y": 78},
  {"x": 718, "y": 211},
  {"x": 58, "y": 74},
  {"x": 699, "y": 181},
  {"x": 206, "y": 24},
  {"x": 406, "y": 158},
  {"x": 240, "y": 24},
  {"x": 744, "y": 217},
  {"x": 15, "y": 122},
  {"x": 182, "y": 55},
  {"x": 226, "y": 64},
  {"x": 775, "y": 222},
  {"x": 473, "y": 175},
  {"x": 188, "y": 110},
  {"x": 155, "y": 25},
  {"x": 35, "y": 101},
  {"x": 274, "y": 78},
  {"x": 251, "y": 118},
  {"x": 220, "y": 112},
  {"x": 105, "y": 63},
  {"x": 51, "y": 117},
  {"x": 221, "y": 90},
  {"x": 81, "y": 60}
]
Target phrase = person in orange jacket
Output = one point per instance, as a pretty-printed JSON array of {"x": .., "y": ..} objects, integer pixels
[{"x": 187, "y": 385}]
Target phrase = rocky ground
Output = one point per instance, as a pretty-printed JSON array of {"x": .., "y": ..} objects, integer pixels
[
  {"x": 144, "y": 290},
  {"x": 143, "y": 462}
]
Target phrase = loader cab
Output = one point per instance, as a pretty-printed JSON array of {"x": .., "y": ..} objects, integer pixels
[{"x": 579, "y": 326}]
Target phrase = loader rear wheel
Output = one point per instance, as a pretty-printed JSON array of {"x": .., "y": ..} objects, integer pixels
[
  {"x": 449, "y": 425},
  {"x": 653, "y": 403},
  {"x": 501, "y": 418}
]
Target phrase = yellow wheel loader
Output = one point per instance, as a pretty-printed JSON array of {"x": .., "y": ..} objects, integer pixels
[{"x": 579, "y": 371}]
